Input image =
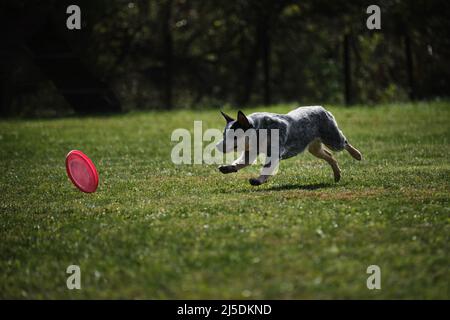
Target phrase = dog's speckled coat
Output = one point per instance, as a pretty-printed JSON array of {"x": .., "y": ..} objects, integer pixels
[
  {"x": 305, "y": 127},
  {"x": 300, "y": 127}
]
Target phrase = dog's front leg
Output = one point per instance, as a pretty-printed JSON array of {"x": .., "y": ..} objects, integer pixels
[
  {"x": 243, "y": 161},
  {"x": 267, "y": 171}
]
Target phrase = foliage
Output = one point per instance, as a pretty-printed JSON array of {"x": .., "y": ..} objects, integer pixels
[{"x": 195, "y": 53}]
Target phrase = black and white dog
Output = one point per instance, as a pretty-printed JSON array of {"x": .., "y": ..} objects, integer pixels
[{"x": 305, "y": 127}]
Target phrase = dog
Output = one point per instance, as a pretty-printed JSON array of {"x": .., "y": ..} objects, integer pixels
[{"x": 312, "y": 127}]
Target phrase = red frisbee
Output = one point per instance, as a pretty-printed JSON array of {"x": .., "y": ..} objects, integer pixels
[{"x": 81, "y": 171}]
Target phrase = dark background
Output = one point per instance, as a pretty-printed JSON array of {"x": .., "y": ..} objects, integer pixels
[{"x": 167, "y": 54}]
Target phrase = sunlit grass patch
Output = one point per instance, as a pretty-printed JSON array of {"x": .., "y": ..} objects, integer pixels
[{"x": 158, "y": 230}]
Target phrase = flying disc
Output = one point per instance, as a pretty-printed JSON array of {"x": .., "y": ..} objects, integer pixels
[{"x": 81, "y": 171}]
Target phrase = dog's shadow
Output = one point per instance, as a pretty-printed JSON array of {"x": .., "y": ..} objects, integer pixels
[{"x": 296, "y": 186}]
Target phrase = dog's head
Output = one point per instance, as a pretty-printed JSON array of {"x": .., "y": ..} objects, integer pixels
[{"x": 234, "y": 134}]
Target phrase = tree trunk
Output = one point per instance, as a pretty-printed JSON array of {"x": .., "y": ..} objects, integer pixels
[
  {"x": 250, "y": 71},
  {"x": 265, "y": 42},
  {"x": 5, "y": 74},
  {"x": 4, "y": 96},
  {"x": 409, "y": 68},
  {"x": 168, "y": 54},
  {"x": 347, "y": 71}
]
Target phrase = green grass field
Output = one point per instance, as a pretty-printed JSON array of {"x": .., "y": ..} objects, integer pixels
[{"x": 156, "y": 230}]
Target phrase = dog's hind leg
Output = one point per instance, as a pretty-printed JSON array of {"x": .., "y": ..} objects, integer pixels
[
  {"x": 334, "y": 139},
  {"x": 353, "y": 151},
  {"x": 317, "y": 149}
]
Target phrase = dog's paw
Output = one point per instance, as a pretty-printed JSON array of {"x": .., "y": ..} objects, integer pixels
[
  {"x": 254, "y": 182},
  {"x": 227, "y": 169},
  {"x": 354, "y": 152},
  {"x": 337, "y": 177}
]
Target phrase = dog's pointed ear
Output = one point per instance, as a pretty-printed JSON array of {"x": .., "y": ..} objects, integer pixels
[
  {"x": 242, "y": 120},
  {"x": 227, "y": 117}
]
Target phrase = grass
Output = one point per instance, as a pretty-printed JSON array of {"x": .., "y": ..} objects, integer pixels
[{"x": 156, "y": 230}]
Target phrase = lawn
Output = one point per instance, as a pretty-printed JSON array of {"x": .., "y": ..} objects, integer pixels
[{"x": 156, "y": 230}]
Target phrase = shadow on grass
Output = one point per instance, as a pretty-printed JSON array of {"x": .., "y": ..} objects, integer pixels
[
  {"x": 285, "y": 187},
  {"x": 298, "y": 186}
]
